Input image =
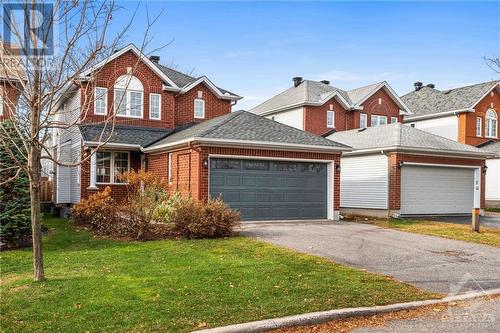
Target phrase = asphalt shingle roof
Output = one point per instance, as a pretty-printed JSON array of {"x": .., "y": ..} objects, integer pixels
[
  {"x": 123, "y": 134},
  {"x": 428, "y": 101},
  {"x": 401, "y": 136},
  {"x": 245, "y": 126},
  {"x": 312, "y": 92},
  {"x": 491, "y": 147}
]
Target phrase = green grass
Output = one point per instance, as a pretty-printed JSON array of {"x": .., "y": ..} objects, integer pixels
[
  {"x": 487, "y": 236},
  {"x": 96, "y": 285},
  {"x": 494, "y": 210}
]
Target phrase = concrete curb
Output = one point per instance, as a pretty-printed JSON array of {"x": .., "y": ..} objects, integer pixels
[{"x": 314, "y": 318}]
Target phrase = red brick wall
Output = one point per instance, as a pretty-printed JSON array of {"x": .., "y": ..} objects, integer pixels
[
  {"x": 176, "y": 109},
  {"x": 467, "y": 121},
  {"x": 9, "y": 97},
  {"x": 371, "y": 106},
  {"x": 214, "y": 106},
  {"x": 395, "y": 173},
  {"x": 118, "y": 191},
  {"x": 315, "y": 117}
]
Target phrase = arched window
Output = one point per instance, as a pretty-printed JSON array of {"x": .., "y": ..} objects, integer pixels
[
  {"x": 491, "y": 123},
  {"x": 129, "y": 96}
]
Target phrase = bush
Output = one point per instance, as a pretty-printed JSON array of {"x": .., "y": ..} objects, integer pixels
[
  {"x": 209, "y": 219},
  {"x": 15, "y": 211}
]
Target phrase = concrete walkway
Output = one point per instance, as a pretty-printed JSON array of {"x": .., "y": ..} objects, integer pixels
[{"x": 430, "y": 263}]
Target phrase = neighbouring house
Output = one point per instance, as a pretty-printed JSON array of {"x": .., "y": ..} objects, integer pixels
[
  {"x": 398, "y": 170},
  {"x": 468, "y": 115},
  {"x": 182, "y": 128},
  {"x": 320, "y": 108}
]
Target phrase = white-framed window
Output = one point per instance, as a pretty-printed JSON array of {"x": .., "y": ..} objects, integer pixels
[
  {"x": 199, "y": 108},
  {"x": 170, "y": 168},
  {"x": 363, "y": 120},
  {"x": 110, "y": 165},
  {"x": 330, "y": 119},
  {"x": 378, "y": 120},
  {"x": 129, "y": 96},
  {"x": 155, "y": 106},
  {"x": 1, "y": 106},
  {"x": 100, "y": 100},
  {"x": 479, "y": 126},
  {"x": 491, "y": 124},
  {"x": 394, "y": 120}
]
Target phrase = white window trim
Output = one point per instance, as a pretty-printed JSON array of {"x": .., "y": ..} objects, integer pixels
[
  {"x": 159, "y": 106},
  {"x": 332, "y": 125},
  {"x": 127, "y": 103},
  {"x": 366, "y": 120},
  {"x": 394, "y": 122},
  {"x": 378, "y": 117},
  {"x": 488, "y": 127},
  {"x": 1, "y": 106},
  {"x": 112, "y": 167},
  {"x": 479, "y": 122},
  {"x": 169, "y": 170},
  {"x": 203, "y": 102},
  {"x": 105, "y": 101}
]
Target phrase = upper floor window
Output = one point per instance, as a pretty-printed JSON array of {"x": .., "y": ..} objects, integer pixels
[
  {"x": 363, "y": 120},
  {"x": 199, "y": 108},
  {"x": 394, "y": 120},
  {"x": 1, "y": 106},
  {"x": 330, "y": 119},
  {"x": 378, "y": 120},
  {"x": 100, "y": 100},
  {"x": 129, "y": 97},
  {"x": 479, "y": 126},
  {"x": 491, "y": 123},
  {"x": 154, "y": 106}
]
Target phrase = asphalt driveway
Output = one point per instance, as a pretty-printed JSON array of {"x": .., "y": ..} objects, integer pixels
[{"x": 430, "y": 263}]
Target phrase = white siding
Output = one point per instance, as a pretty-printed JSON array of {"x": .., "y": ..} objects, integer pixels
[
  {"x": 493, "y": 179},
  {"x": 75, "y": 173},
  {"x": 364, "y": 181},
  {"x": 445, "y": 126},
  {"x": 293, "y": 117},
  {"x": 63, "y": 175}
]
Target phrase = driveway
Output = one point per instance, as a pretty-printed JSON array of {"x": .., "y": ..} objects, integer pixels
[
  {"x": 491, "y": 220},
  {"x": 430, "y": 263}
]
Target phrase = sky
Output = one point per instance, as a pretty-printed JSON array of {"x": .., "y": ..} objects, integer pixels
[{"x": 255, "y": 48}]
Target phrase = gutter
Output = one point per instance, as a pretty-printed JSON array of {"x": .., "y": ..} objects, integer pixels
[
  {"x": 437, "y": 115},
  {"x": 426, "y": 151}
]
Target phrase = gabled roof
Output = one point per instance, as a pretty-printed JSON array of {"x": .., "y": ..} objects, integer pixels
[
  {"x": 122, "y": 134},
  {"x": 402, "y": 137},
  {"x": 248, "y": 129},
  {"x": 491, "y": 147},
  {"x": 317, "y": 93},
  {"x": 429, "y": 102},
  {"x": 174, "y": 80}
]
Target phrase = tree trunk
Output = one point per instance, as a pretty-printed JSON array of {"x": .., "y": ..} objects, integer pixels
[{"x": 36, "y": 223}]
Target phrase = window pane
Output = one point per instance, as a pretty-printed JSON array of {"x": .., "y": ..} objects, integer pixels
[
  {"x": 135, "y": 103},
  {"x": 478, "y": 126},
  {"x": 256, "y": 165},
  {"x": 121, "y": 165},
  {"x": 154, "y": 106},
  {"x": 199, "y": 108},
  {"x": 226, "y": 164},
  {"x": 374, "y": 121},
  {"x": 394, "y": 120},
  {"x": 103, "y": 162},
  {"x": 362, "y": 120},
  {"x": 285, "y": 166},
  {"x": 120, "y": 102},
  {"x": 100, "y": 100},
  {"x": 382, "y": 120},
  {"x": 330, "y": 118}
]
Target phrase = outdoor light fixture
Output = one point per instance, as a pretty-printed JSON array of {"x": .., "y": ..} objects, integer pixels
[
  {"x": 337, "y": 168},
  {"x": 485, "y": 168},
  {"x": 400, "y": 164},
  {"x": 205, "y": 163}
]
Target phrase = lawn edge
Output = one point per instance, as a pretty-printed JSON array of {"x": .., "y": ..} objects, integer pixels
[{"x": 314, "y": 318}]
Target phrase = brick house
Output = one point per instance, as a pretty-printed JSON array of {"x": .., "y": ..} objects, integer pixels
[
  {"x": 320, "y": 108},
  {"x": 468, "y": 115},
  {"x": 398, "y": 170},
  {"x": 182, "y": 128}
]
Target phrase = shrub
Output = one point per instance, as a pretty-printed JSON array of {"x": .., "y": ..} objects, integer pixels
[
  {"x": 209, "y": 219},
  {"x": 15, "y": 211}
]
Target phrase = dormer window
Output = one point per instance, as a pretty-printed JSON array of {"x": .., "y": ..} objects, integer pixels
[
  {"x": 491, "y": 123},
  {"x": 129, "y": 97},
  {"x": 199, "y": 108}
]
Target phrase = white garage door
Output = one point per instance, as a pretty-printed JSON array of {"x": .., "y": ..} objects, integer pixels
[{"x": 436, "y": 190}]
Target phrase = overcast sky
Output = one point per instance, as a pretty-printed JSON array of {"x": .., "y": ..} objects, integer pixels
[{"x": 255, "y": 48}]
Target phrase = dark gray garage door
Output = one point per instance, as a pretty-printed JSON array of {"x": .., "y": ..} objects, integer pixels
[{"x": 271, "y": 190}]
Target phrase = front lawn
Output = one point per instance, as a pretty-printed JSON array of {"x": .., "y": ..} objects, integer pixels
[
  {"x": 97, "y": 285},
  {"x": 488, "y": 236},
  {"x": 493, "y": 209}
]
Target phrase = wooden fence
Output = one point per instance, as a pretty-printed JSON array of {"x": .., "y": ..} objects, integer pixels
[{"x": 46, "y": 190}]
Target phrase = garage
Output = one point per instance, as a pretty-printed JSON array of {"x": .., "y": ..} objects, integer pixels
[
  {"x": 436, "y": 190},
  {"x": 271, "y": 189}
]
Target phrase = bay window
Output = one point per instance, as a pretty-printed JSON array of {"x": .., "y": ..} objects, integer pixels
[
  {"x": 491, "y": 123},
  {"x": 129, "y": 97},
  {"x": 378, "y": 120},
  {"x": 110, "y": 165}
]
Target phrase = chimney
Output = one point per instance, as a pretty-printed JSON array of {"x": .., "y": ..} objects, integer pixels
[
  {"x": 431, "y": 85},
  {"x": 325, "y": 82},
  {"x": 155, "y": 59},
  {"x": 297, "y": 81},
  {"x": 418, "y": 85}
]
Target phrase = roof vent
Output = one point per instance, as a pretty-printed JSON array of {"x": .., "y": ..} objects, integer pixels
[
  {"x": 431, "y": 85},
  {"x": 325, "y": 82},
  {"x": 418, "y": 85},
  {"x": 155, "y": 59},
  {"x": 297, "y": 81}
]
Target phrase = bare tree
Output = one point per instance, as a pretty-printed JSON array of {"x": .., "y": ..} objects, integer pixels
[
  {"x": 37, "y": 67},
  {"x": 494, "y": 64}
]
